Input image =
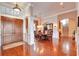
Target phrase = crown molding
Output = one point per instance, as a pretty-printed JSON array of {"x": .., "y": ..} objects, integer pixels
[{"x": 71, "y": 10}]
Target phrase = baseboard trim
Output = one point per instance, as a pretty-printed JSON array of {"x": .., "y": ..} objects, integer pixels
[{"x": 13, "y": 45}]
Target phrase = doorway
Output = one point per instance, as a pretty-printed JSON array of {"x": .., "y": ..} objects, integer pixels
[
  {"x": 65, "y": 27},
  {"x": 43, "y": 31}
]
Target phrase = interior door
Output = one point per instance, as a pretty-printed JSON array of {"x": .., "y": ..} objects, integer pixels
[
  {"x": 7, "y": 30},
  {"x": 18, "y": 30}
]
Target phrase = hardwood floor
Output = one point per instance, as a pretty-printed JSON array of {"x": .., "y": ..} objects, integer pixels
[
  {"x": 21, "y": 50},
  {"x": 0, "y": 51},
  {"x": 42, "y": 48},
  {"x": 72, "y": 47}
]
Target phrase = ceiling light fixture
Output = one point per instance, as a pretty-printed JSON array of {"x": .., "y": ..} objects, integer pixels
[{"x": 16, "y": 8}]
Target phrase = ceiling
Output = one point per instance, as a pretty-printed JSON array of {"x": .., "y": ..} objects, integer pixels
[
  {"x": 43, "y": 9},
  {"x": 22, "y": 5}
]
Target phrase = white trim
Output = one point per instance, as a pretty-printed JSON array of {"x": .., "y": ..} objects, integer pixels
[
  {"x": 13, "y": 45},
  {"x": 71, "y": 10},
  {"x": 10, "y": 16}
]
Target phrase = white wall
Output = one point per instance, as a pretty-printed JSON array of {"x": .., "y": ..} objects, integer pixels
[{"x": 11, "y": 12}]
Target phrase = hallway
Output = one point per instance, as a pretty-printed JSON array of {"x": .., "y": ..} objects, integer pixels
[{"x": 39, "y": 29}]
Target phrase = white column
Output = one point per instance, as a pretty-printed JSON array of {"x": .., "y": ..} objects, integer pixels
[
  {"x": 31, "y": 30},
  {"x": 55, "y": 31},
  {"x": 25, "y": 37},
  {"x": 27, "y": 13}
]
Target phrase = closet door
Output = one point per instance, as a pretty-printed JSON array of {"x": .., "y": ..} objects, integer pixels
[
  {"x": 7, "y": 31},
  {"x": 18, "y": 30}
]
